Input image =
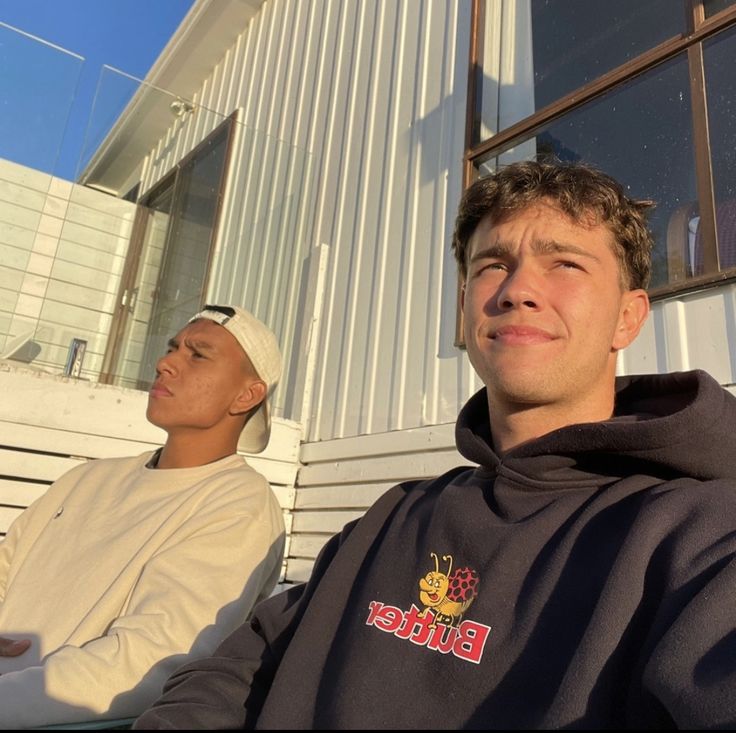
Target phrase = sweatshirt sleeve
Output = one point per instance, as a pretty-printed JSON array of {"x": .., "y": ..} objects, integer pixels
[
  {"x": 228, "y": 689},
  {"x": 9, "y": 543},
  {"x": 188, "y": 597},
  {"x": 20, "y": 525},
  {"x": 690, "y": 668}
]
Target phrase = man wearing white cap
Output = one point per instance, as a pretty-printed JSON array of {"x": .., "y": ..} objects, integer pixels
[{"x": 126, "y": 568}]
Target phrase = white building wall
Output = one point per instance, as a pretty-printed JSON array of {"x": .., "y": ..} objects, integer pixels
[
  {"x": 358, "y": 110},
  {"x": 692, "y": 331},
  {"x": 364, "y": 108},
  {"x": 62, "y": 251}
]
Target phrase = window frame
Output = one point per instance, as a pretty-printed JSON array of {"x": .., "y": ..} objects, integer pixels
[
  {"x": 172, "y": 179},
  {"x": 699, "y": 29}
]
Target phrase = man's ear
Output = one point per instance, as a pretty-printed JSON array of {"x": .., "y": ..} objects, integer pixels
[
  {"x": 631, "y": 318},
  {"x": 252, "y": 394}
]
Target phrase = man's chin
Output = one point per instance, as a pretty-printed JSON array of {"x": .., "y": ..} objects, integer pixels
[
  {"x": 152, "y": 417},
  {"x": 522, "y": 391}
]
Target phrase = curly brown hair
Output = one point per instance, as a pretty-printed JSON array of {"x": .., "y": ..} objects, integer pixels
[{"x": 579, "y": 190}]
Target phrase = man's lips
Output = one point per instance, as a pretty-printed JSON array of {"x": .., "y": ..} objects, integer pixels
[
  {"x": 521, "y": 335},
  {"x": 158, "y": 390}
]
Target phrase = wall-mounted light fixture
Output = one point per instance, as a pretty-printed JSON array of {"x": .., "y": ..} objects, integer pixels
[{"x": 180, "y": 107}]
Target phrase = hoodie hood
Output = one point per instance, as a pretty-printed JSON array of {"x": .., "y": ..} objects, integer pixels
[{"x": 682, "y": 425}]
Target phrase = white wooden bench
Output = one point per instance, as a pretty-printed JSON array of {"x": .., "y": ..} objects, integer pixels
[
  {"x": 49, "y": 424},
  {"x": 340, "y": 479}
]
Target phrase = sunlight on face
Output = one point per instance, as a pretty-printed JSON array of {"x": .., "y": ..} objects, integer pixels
[{"x": 543, "y": 306}]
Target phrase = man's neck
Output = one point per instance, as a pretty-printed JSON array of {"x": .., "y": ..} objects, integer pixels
[
  {"x": 194, "y": 451},
  {"x": 513, "y": 426}
]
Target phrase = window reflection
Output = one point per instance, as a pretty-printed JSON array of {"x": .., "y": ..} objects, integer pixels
[
  {"x": 537, "y": 51},
  {"x": 622, "y": 133},
  {"x": 644, "y": 90},
  {"x": 712, "y": 7}
]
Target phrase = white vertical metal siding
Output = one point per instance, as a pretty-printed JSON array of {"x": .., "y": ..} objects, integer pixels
[
  {"x": 352, "y": 134},
  {"x": 693, "y": 331},
  {"x": 364, "y": 107}
]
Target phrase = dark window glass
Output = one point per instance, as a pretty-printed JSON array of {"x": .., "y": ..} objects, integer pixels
[
  {"x": 640, "y": 133},
  {"x": 643, "y": 89},
  {"x": 179, "y": 289},
  {"x": 168, "y": 262},
  {"x": 548, "y": 48},
  {"x": 715, "y": 6},
  {"x": 577, "y": 41}
]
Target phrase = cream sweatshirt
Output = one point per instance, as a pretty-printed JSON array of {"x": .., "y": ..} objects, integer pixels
[{"x": 120, "y": 573}]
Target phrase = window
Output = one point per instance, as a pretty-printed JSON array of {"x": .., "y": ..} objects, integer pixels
[
  {"x": 168, "y": 264},
  {"x": 643, "y": 89}
]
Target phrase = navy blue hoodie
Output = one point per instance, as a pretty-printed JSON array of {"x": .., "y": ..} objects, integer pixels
[{"x": 586, "y": 579}]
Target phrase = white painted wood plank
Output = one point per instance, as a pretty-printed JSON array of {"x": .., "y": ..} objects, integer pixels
[
  {"x": 288, "y": 516},
  {"x": 20, "y": 493},
  {"x": 285, "y": 495},
  {"x": 298, "y": 570},
  {"x": 329, "y": 522},
  {"x": 431, "y": 437},
  {"x": 104, "y": 410},
  {"x": 284, "y": 443},
  {"x": 706, "y": 327},
  {"x": 345, "y": 496},
  {"x": 307, "y": 545},
  {"x": 381, "y": 468},
  {"x": 68, "y": 442},
  {"x": 278, "y": 473},
  {"x": 37, "y": 466}
]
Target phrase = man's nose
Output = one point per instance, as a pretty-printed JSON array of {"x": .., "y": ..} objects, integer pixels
[
  {"x": 166, "y": 364},
  {"x": 520, "y": 289}
]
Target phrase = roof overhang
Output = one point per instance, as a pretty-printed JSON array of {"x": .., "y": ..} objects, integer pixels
[{"x": 198, "y": 45}]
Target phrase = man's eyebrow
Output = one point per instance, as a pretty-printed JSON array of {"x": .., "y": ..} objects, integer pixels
[
  {"x": 199, "y": 345},
  {"x": 552, "y": 246},
  {"x": 194, "y": 344},
  {"x": 539, "y": 246},
  {"x": 498, "y": 249}
]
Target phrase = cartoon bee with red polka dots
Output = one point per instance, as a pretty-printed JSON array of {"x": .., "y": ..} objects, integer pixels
[{"x": 450, "y": 595}]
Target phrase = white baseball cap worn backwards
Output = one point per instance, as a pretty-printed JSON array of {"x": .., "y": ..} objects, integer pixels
[{"x": 262, "y": 348}]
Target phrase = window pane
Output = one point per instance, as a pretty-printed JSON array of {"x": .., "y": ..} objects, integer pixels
[
  {"x": 641, "y": 134},
  {"x": 715, "y": 6},
  {"x": 180, "y": 285},
  {"x": 537, "y": 51}
]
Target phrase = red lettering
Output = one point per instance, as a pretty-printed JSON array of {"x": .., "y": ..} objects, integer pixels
[
  {"x": 471, "y": 640},
  {"x": 415, "y": 626},
  {"x": 439, "y": 643},
  {"x": 388, "y": 619},
  {"x": 467, "y": 641},
  {"x": 375, "y": 608}
]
